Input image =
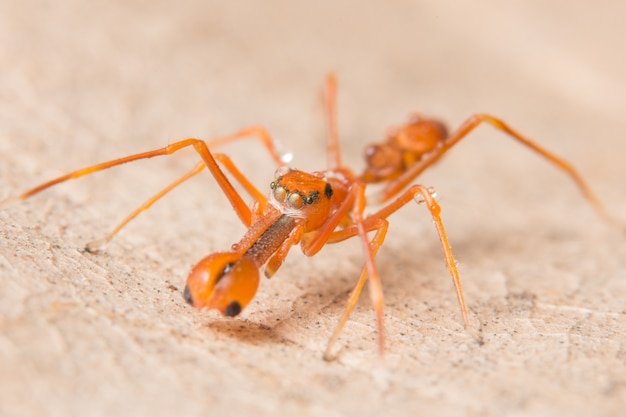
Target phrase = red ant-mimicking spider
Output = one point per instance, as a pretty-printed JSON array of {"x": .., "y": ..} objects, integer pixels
[{"x": 317, "y": 208}]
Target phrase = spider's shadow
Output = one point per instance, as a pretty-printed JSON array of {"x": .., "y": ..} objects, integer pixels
[{"x": 245, "y": 331}]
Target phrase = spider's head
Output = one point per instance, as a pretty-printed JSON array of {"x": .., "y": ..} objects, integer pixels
[
  {"x": 299, "y": 194},
  {"x": 223, "y": 281}
]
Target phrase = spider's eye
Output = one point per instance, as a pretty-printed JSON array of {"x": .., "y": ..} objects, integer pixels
[
  {"x": 295, "y": 200},
  {"x": 312, "y": 197},
  {"x": 279, "y": 193}
]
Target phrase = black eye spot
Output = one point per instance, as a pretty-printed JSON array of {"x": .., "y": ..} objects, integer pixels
[
  {"x": 312, "y": 197},
  {"x": 233, "y": 309},
  {"x": 328, "y": 191},
  {"x": 187, "y": 295}
]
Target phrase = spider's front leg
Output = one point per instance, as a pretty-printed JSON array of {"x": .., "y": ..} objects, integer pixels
[{"x": 209, "y": 160}]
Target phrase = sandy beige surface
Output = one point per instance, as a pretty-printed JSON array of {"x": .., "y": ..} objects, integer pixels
[{"x": 109, "y": 333}]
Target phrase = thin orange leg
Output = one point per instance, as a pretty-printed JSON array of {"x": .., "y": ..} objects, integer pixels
[
  {"x": 255, "y": 132},
  {"x": 354, "y": 204},
  {"x": 381, "y": 226},
  {"x": 256, "y": 195},
  {"x": 274, "y": 148},
  {"x": 395, "y": 186},
  {"x": 314, "y": 242},
  {"x": 279, "y": 256},
  {"x": 94, "y": 245},
  {"x": 223, "y": 159},
  {"x": 373, "y": 222},
  {"x": 330, "y": 101},
  {"x": 203, "y": 149},
  {"x": 199, "y": 146},
  {"x": 375, "y": 286}
]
